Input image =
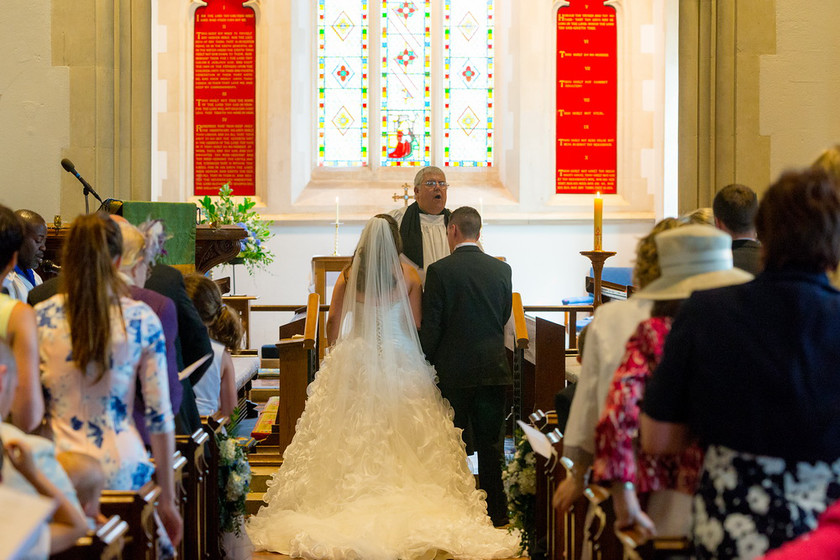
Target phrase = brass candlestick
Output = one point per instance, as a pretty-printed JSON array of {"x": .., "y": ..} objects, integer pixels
[
  {"x": 598, "y": 259},
  {"x": 335, "y": 244}
]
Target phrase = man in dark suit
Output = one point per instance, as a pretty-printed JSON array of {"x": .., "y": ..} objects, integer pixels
[
  {"x": 466, "y": 304},
  {"x": 735, "y": 207}
]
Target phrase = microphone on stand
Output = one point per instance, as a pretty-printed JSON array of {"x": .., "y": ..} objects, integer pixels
[
  {"x": 70, "y": 168},
  {"x": 50, "y": 267}
]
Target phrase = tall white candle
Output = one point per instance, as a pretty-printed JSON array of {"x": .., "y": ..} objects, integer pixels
[
  {"x": 481, "y": 208},
  {"x": 336, "y": 209}
]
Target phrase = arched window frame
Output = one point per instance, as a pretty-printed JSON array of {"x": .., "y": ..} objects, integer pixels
[{"x": 322, "y": 183}]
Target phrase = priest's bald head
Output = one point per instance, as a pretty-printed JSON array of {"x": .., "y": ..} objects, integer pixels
[{"x": 430, "y": 190}]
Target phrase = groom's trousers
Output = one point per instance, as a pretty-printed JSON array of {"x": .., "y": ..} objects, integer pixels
[{"x": 481, "y": 410}]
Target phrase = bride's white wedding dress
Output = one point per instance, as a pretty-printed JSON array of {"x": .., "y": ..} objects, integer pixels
[{"x": 376, "y": 469}]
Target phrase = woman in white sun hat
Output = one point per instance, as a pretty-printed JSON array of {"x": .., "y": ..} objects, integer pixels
[{"x": 693, "y": 257}]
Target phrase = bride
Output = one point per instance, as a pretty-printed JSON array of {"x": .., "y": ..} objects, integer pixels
[{"x": 376, "y": 469}]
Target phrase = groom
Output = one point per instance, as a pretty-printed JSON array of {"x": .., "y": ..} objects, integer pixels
[{"x": 466, "y": 303}]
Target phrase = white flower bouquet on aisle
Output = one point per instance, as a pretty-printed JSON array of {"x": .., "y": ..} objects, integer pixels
[{"x": 520, "y": 483}]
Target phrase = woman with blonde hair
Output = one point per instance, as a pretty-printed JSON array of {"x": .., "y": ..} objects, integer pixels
[
  {"x": 95, "y": 345},
  {"x": 613, "y": 325},
  {"x": 141, "y": 245}
]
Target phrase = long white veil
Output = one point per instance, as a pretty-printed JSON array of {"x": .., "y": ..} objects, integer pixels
[
  {"x": 376, "y": 469},
  {"x": 376, "y": 307}
]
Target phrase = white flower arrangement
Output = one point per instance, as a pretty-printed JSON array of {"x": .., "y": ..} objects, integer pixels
[
  {"x": 234, "y": 482},
  {"x": 520, "y": 482}
]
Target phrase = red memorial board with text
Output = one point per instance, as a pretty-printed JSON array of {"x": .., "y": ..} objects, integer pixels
[
  {"x": 587, "y": 76},
  {"x": 225, "y": 101}
]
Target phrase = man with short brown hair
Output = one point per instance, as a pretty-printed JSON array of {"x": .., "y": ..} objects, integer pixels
[{"x": 466, "y": 304}]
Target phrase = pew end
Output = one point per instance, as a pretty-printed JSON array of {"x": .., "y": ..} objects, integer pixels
[
  {"x": 137, "y": 509},
  {"x": 636, "y": 547},
  {"x": 104, "y": 543}
]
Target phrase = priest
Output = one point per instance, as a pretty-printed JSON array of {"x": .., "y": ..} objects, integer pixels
[{"x": 423, "y": 223}]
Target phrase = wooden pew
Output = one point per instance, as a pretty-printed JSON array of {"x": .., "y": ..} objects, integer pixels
[
  {"x": 195, "y": 480},
  {"x": 105, "y": 543},
  {"x": 179, "y": 466},
  {"x": 321, "y": 266},
  {"x": 659, "y": 548},
  {"x": 297, "y": 363},
  {"x": 213, "y": 533},
  {"x": 136, "y": 508},
  {"x": 247, "y": 367}
]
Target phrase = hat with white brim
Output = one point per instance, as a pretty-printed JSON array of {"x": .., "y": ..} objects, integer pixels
[{"x": 691, "y": 258}]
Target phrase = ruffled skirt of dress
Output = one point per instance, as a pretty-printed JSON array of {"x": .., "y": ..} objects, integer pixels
[{"x": 376, "y": 469}]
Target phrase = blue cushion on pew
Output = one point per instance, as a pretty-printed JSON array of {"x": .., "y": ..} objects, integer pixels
[
  {"x": 579, "y": 300},
  {"x": 622, "y": 275},
  {"x": 269, "y": 352}
]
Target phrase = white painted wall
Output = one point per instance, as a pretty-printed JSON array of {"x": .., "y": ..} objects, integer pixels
[
  {"x": 34, "y": 109},
  {"x": 544, "y": 257}
]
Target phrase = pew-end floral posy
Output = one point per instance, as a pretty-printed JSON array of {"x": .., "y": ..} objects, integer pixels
[
  {"x": 520, "y": 483},
  {"x": 234, "y": 477},
  {"x": 225, "y": 210}
]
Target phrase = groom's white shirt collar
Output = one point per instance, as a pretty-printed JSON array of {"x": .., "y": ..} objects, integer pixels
[{"x": 467, "y": 244}]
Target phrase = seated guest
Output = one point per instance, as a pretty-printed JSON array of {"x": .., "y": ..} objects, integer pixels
[
  {"x": 188, "y": 331},
  {"x": 88, "y": 480},
  {"x": 563, "y": 399},
  {"x": 216, "y": 391},
  {"x": 95, "y": 343},
  {"x": 735, "y": 207},
  {"x": 750, "y": 371},
  {"x": 691, "y": 258},
  {"x": 699, "y": 216},
  {"x": 612, "y": 326},
  {"x": 17, "y": 329},
  {"x": 192, "y": 344},
  {"x": 23, "y": 278},
  {"x": 138, "y": 252},
  {"x": 32, "y": 469},
  {"x": 829, "y": 161}
]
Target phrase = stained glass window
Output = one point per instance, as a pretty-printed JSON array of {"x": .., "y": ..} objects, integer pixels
[
  {"x": 461, "y": 73},
  {"x": 406, "y": 82},
  {"x": 468, "y": 83},
  {"x": 342, "y": 83}
]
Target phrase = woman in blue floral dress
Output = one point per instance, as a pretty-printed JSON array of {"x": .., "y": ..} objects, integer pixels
[{"x": 95, "y": 344}]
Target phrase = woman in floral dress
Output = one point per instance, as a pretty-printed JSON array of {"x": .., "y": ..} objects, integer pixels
[
  {"x": 691, "y": 258},
  {"x": 95, "y": 344}
]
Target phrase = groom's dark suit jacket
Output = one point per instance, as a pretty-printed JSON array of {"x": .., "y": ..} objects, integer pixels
[{"x": 466, "y": 303}]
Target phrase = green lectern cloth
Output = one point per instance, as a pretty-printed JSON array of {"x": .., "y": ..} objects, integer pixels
[{"x": 179, "y": 221}]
